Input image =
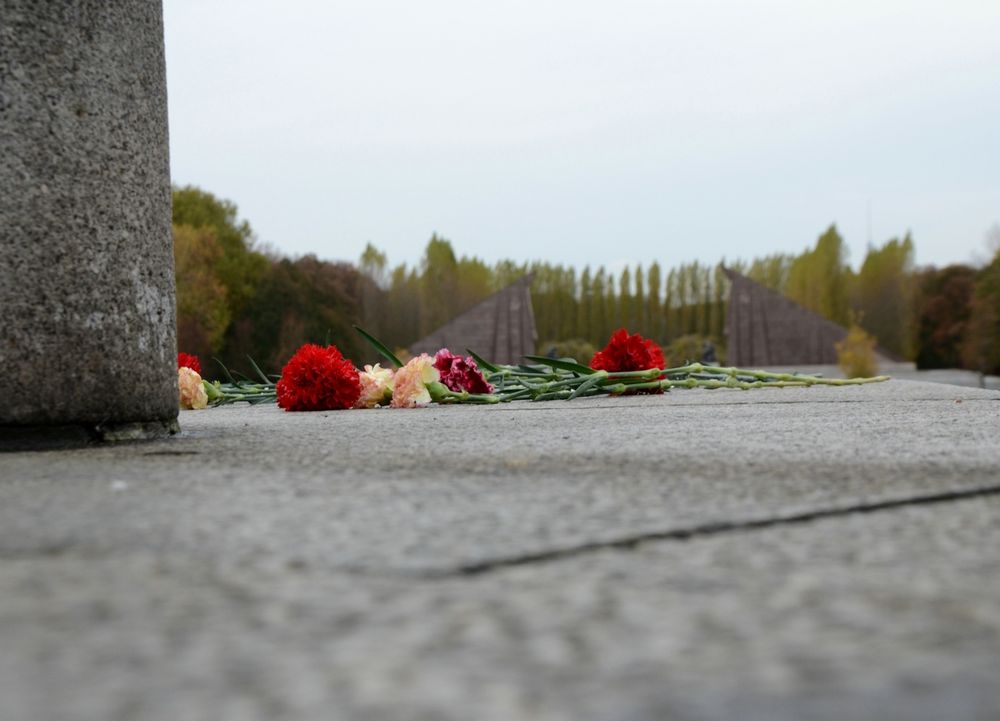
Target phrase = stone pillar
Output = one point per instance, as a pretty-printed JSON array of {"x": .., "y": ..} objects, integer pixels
[{"x": 87, "y": 318}]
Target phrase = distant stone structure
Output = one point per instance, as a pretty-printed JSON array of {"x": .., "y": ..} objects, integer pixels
[
  {"x": 764, "y": 328},
  {"x": 500, "y": 329},
  {"x": 87, "y": 339}
]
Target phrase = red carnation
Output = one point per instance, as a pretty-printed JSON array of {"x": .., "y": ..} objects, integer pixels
[
  {"x": 318, "y": 379},
  {"x": 186, "y": 360},
  {"x": 626, "y": 352}
]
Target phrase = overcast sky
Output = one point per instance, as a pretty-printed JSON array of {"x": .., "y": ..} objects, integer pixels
[{"x": 591, "y": 132}]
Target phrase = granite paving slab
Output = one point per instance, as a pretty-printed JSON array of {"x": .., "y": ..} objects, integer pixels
[
  {"x": 444, "y": 488},
  {"x": 890, "y": 615}
]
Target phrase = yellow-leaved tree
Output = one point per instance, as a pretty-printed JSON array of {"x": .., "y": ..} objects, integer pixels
[{"x": 202, "y": 304}]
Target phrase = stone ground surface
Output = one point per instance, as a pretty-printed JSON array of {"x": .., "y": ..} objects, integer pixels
[{"x": 797, "y": 554}]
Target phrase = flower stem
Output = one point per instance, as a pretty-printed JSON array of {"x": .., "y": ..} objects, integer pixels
[{"x": 799, "y": 379}]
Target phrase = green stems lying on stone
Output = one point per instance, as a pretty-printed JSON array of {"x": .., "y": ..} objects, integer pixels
[
  {"x": 563, "y": 379},
  {"x": 241, "y": 389},
  {"x": 698, "y": 369},
  {"x": 219, "y": 394},
  {"x": 442, "y": 394}
]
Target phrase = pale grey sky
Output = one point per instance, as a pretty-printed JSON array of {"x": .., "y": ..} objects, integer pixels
[{"x": 591, "y": 132}]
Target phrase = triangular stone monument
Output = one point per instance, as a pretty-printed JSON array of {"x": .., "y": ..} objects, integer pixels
[
  {"x": 500, "y": 329},
  {"x": 764, "y": 328}
]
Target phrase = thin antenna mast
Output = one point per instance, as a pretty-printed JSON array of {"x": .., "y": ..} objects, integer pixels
[{"x": 869, "y": 222}]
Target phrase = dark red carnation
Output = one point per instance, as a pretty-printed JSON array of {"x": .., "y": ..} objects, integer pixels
[
  {"x": 460, "y": 374},
  {"x": 186, "y": 360},
  {"x": 626, "y": 352},
  {"x": 318, "y": 379}
]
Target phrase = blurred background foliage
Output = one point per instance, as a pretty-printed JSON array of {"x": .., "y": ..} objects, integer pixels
[
  {"x": 236, "y": 299},
  {"x": 856, "y": 353}
]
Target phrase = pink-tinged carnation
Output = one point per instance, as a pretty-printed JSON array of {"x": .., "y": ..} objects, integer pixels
[
  {"x": 410, "y": 384},
  {"x": 318, "y": 379},
  {"x": 460, "y": 374},
  {"x": 186, "y": 360},
  {"x": 192, "y": 391},
  {"x": 376, "y": 386}
]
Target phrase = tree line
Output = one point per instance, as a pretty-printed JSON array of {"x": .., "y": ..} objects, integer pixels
[{"x": 236, "y": 300}]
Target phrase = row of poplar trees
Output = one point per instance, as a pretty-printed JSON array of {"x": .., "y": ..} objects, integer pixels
[{"x": 688, "y": 299}]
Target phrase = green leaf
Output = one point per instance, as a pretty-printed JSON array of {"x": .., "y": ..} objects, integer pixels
[
  {"x": 380, "y": 347},
  {"x": 531, "y": 370},
  {"x": 258, "y": 370},
  {"x": 594, "y": 379},
  {"x": 483, "y": 363},
  {"x": 225, "y": 371},
  {"x": 562, "y": 365},
  {"x": 245, "y": 379}
]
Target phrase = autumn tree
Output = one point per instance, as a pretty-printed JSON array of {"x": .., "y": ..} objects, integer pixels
[
  {"x": 771, "y": 271},
  {"x": 612, "y": 309},
  {"x": 584, "y": 308},
  {"x": 373, "y": 279},
  {"x": 625, "y": 317},
  {"x": 720, "y": 285},
  {"x": 238, "y": 267},
  {"x": 438, "y": 284},
  {"x": 475, "y": 283},
  {"x": 981, "y": 348},
  {"x": 943, "y": 301},
  {"x": 599, "y": 322},
  {"x": 654, "y": 308},
  {"x": 885, "y": 295},
  {"x": 639, "y": 308},
  {"x": 402, "y": 313},
  {"x": 669, "y": 302},
  {"x": 203, "y": 312},
  {"x": 820, "y": 278},
  {"x": 298, "y": 301}
]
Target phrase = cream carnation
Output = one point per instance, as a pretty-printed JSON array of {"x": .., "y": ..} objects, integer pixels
[
  {"x": 410, "y": 385},
  {"x": 192, "y": 390},
  {"x": 376, "y": 386}
]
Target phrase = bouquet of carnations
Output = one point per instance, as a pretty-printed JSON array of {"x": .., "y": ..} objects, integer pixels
[{"x": 319, "y": 378}]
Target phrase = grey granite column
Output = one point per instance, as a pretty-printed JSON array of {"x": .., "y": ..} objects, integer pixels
[{"x": 87, "y": 326}]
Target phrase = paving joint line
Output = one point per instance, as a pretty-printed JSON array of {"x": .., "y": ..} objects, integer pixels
[
  {"x": 707, "y": 530},
  {"x": 61, "y": 549}
]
